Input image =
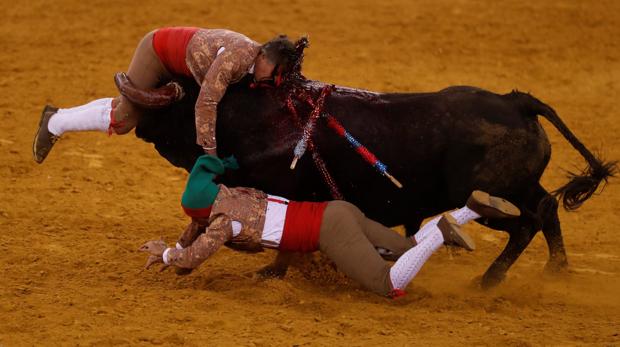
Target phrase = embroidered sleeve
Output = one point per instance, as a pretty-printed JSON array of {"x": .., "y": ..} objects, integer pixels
[
  {"x": 218, "y": 233},
  {"x": 227, "y": 68},
  {"x": 190, "y": 234}
]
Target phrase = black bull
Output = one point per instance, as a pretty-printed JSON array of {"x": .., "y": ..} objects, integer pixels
[{"x": 441, "y": 146}]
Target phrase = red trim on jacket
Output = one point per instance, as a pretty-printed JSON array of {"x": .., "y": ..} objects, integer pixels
[
  {"x": 197, "y": 212},
  {"x": 302, "y": 226},
  {"x": 170, "y": 44}
]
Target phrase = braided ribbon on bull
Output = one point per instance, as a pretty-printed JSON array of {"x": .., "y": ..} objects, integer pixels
[
  {"x": 300, "y": 148},
  {"x": 318, "y": 161},
  {"x": 337, "y": 127}
]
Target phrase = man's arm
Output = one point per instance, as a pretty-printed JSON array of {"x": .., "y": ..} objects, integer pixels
[
  {"x": 218, "y": 233},
  {"x": 190, "y": 234},
  {"x": 225, "y": 68}
]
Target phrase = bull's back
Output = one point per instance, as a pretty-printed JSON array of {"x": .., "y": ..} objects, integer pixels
[{"x": 449, "y": 142}]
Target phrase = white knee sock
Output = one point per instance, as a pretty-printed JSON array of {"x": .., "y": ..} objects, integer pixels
[
  {"x": 98, "y": 102},
  {"x": 410, "y": 263},
  {"x": 93, "y": 116},
  {"x": 463, "y": 215}
]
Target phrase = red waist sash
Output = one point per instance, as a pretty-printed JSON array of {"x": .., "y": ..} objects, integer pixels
[
  {"x": 302, "y": 226},
  {"x": 170, "y": 44}
]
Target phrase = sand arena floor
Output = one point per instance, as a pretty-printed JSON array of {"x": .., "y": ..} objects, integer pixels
[{"x": 69, "y": 229}]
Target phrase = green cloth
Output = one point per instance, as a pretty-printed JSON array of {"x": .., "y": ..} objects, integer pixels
[{"x": 201, "y": 190}]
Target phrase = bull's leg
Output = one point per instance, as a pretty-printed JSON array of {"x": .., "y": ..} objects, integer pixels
[
  {"x": 520, "y": 237},
  {"x": 553, "y": 235}
]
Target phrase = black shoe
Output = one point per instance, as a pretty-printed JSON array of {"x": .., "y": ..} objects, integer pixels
[
  {"x": 452, "y": 233},
  {"x": 44, "y": 140}
]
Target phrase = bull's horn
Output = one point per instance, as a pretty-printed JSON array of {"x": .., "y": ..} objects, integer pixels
[{"x": 148, "y": 98}]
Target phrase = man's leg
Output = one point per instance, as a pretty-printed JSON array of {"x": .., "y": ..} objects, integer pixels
[
  {"x": 479, "y": 204},
  {"x": 462, "y": 216},
  {"x": 410, "y": 263},
  {"x": 105, "y": 115},
  {"x": 445, "y": 231},
  {"x": 94, "y": 115},
  {"x": 145, "y": 71},
  {"x": 388, "y": 242},
  {"x": 342, "y": 239}
]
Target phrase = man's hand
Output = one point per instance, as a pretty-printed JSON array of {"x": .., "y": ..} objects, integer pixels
[
  {"x": 210, "y": 151},
  {"x": 153, "y": 259},
  {"x": 155, "y": 247},
  {"x": 156, "y": 250}
]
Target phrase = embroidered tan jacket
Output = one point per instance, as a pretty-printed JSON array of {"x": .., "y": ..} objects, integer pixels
[
  {"x": 245, "y": 205},
  {"x": 214, "y": 72}
]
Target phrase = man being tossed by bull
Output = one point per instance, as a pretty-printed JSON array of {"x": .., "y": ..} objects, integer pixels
[
  {"x": 215, "y": 58},
  {"x": 250, "y": 220}
]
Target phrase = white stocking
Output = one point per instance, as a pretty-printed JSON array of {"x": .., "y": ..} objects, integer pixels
[
  {"x": 463, "y": 215},
  {"x": 410, "y": 263},
  {"x": 98, "y": 102},
  {"x": 93, "y": 116}
]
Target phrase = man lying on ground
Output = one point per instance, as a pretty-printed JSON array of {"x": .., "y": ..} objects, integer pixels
[{"x": 249, "y": 220}]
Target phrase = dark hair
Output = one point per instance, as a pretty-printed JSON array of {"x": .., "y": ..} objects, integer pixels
[{"x": 280, "y": 51}]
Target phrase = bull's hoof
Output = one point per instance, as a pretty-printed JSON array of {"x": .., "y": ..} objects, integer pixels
[
  {"x": 487, "y": 281},
  {"x": 556, "y": 267},
  {"x": 476, "y": 283},
  {"x": 271, "y": 272}
]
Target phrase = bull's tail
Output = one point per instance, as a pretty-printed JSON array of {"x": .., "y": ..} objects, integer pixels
[{"x": 581, "y": 185}]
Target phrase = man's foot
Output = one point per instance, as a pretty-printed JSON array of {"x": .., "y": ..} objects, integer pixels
[
  {"x": 452, "y": 233},
  {"x": 44, "y": 139},
  {"x": 396, "y": 293},
  {"x": 490, "y": 206}
]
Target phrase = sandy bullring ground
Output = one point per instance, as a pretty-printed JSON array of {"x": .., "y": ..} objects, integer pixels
[{"x": 69, "y": 229}]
